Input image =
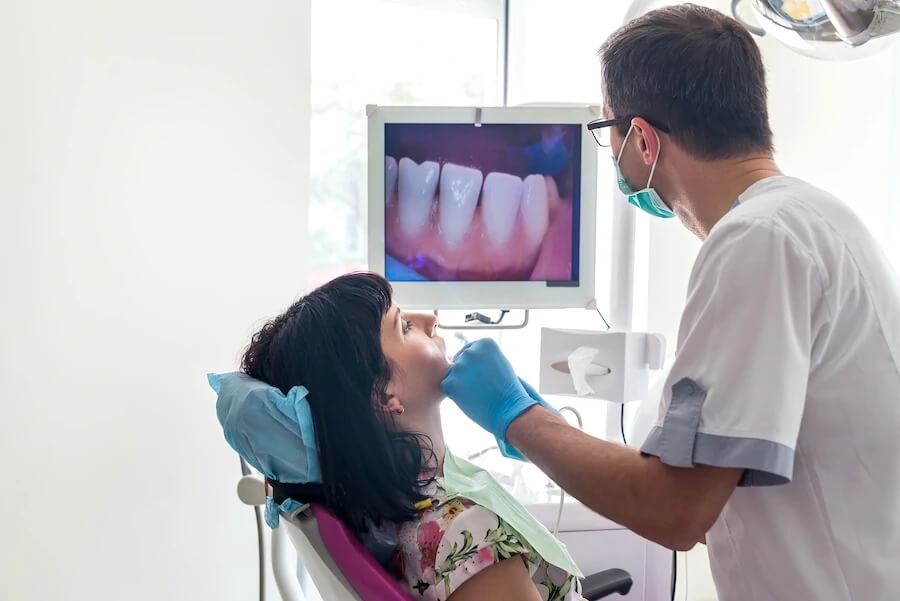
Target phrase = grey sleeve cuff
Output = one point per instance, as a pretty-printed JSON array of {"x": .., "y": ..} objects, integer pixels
[
  {"x": 766, "y": 463},
  {"x": 679, "y": 443}
]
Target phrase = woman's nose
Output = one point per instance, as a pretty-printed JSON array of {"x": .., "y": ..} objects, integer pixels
[{"x": 429, "y": 323}]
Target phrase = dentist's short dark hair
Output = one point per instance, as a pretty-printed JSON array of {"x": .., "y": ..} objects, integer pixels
[{"x": 696, "y": 70}]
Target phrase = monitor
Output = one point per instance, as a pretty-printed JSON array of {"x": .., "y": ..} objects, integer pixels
[{"x": 483, "y": 208}]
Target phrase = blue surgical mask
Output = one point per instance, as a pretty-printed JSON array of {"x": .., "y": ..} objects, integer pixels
[{"x": 648, "y": 199}]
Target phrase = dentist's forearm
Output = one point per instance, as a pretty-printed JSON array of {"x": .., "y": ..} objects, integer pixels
[{"x": 674, "y": 507}]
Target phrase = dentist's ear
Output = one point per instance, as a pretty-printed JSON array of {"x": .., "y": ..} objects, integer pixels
[{"x": 648, "y": 140}]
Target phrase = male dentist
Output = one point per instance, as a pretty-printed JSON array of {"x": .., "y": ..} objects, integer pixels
[{"x": 778, "y": 437}]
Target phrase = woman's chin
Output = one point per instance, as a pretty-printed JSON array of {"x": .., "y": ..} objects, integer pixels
[{"x": 445, "y": 369}]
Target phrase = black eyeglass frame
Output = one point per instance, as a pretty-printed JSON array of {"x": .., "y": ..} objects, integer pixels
[{"x": 601, "y": 123}]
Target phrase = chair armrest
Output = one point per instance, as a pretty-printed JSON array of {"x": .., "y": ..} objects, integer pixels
[
  {"x": 605, "y": 583},
  {"x": 251, "y": 490}
]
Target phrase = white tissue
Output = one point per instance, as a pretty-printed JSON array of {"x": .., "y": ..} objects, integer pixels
[{"x": 581, "y": 365}]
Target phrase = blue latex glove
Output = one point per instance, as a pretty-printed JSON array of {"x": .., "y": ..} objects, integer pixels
[
  {"x": 506, "y": 449},
  {"x": 483, "y": 384}
]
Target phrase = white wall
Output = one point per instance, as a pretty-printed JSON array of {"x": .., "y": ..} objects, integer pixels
[{"x": 153, "y": 176}]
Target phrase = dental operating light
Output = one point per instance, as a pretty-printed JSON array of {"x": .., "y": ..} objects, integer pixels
[{"x": 827, "y": 29}]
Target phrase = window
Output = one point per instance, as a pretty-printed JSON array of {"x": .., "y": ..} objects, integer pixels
[
  {"x": 389, "y": 52},
  {"x": 447, "y": 52}
]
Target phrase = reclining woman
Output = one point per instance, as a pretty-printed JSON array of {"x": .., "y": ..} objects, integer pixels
[{"x": 373, "y": 374}]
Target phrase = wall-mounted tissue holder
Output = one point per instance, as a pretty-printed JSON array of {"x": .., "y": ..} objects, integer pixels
[{"x": 613, "y": 366}]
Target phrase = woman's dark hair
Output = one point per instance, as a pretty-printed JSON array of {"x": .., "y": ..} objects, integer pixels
[{"x": 330, "y": 342}]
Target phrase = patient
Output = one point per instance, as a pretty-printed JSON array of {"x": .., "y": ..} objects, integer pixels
[{"x": 373, "y": 372}]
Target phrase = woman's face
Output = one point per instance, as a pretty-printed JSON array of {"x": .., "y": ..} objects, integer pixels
[{"x": 417, "y": 356}]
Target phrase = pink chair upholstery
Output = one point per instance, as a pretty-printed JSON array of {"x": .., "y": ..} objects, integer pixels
[
  {"x": 352, "y": 566},
  {"x": 368, "y": 578}
]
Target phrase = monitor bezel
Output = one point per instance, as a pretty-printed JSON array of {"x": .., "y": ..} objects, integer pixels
[{"x": 486, "y": 295}]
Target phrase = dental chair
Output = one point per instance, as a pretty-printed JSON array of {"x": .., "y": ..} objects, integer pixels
[{"x": 342, "y": 569}]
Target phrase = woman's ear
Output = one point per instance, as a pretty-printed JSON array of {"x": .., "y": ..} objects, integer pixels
[
  {"x": 394, "y": 405},
  {"x": 394, "y": 390}
]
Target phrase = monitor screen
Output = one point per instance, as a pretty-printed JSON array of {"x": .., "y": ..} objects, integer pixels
[{"x": 499, "y": 202}]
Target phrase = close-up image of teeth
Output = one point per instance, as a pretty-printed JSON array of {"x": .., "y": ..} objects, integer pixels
[{"x": 498, "y": 202}]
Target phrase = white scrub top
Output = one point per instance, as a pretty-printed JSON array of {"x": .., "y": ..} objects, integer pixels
[{"x": 788, "y": 366}]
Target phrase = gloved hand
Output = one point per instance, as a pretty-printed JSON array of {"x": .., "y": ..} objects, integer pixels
[
  {"x": 483, "y": 384},
  {"x": 506, "y": 449},
  {"x": 534, "y": 394}
]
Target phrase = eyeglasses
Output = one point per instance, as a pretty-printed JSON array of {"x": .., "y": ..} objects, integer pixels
[{"x": 601, "y": 128}]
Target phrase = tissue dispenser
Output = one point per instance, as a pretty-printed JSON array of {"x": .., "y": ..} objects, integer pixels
[{"x": 618, "y": 370}]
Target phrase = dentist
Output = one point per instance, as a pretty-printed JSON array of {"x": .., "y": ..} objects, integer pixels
[{"x": 778, "y": 437}]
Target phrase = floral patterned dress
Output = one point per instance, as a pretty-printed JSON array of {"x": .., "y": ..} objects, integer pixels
[{"x": 455, "y": 539}]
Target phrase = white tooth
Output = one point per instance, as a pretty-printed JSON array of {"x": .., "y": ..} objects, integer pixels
[
  {"x": 416, "y": 187},
  {"x": 535, "y": 207},
  {"x": 500, "y": 204},
  {"x": 552, "y": 192},
  {"x": 390, "y": 179},
  {"x": 459, "y": 199}
]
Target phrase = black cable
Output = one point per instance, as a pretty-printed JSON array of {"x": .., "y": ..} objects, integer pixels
[
  {"x": 482, "y": 318},
  {"x": 622, "y": 423},
  {"x": 674, "y": 572},
  {"x": 260, "y": 543},
  {"x": 603, "y": 318}
]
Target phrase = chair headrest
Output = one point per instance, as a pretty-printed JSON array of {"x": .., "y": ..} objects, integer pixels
[{"x": 366, "y": 575}]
